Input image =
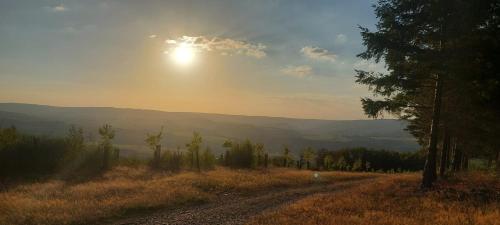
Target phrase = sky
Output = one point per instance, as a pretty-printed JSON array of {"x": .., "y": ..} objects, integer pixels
[{"x": 285, "y": 58}]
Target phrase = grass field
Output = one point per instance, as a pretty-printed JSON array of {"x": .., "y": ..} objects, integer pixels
[
  {"x": 125, "y": 190},
  {"x": 464, "y": 199}
]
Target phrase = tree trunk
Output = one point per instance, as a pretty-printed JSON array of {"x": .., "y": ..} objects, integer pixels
[
  {"x": 445, "y": 152},
  {"x": 227, "y": 158},
  {"x": 266, "y": 158},
  {"x": 192, "y": 160},
  {"x": 429, "y": 174},
  {"x": 105, "y": 157},
  {"x": 198, "y": 160},
  {"x": 457, "y": 159},
  {"x": 465, "y": 162},
  {"x": 498, "y": 163},
  {"x": 157, "y": 155}
]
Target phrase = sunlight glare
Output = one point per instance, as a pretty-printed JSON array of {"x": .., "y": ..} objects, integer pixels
[{"x": 183, "y": 54}]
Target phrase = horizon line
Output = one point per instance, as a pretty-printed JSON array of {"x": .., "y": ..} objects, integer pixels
[{"x": 191, "y": 112}]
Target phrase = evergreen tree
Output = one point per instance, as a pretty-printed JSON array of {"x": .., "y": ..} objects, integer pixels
[
  {"x": 308, "y": 155},
  {"x": 259, "y": 153},
  {"x": 106, "y": 146},
  {"x": 435, "y": 51},
  {"x": 286, "y": 156},
  {"x": 194, "y": 149}
]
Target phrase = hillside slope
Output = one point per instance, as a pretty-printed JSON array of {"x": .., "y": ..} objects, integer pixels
[{"x": 133, "y": 124}]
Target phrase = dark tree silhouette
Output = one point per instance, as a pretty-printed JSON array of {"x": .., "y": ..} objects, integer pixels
[{"x": 435, "y": 51}]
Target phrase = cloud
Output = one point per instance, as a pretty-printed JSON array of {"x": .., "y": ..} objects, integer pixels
[
  {"x": 340, "y": 39},
  {"x": 318, "y": 53},
  {"x": 226, "y": 46},
  {"x": 58, "y": 8},
  {"x": 152, "y": 36},
  {"x": 298, "y": 71}
]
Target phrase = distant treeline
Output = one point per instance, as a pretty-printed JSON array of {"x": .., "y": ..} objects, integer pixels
[
  {"x": 28, "y": 156},
  {"x": 362, "y": 159},
  {"x": 352, "y": 159}
]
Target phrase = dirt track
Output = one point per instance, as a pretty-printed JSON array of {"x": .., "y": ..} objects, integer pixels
[{"x": 235, "y": 209}]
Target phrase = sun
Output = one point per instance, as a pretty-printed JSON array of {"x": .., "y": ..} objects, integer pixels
[{"x": 183, "y": 54}]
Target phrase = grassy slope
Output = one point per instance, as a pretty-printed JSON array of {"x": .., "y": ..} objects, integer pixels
[
  {"x": 126, "y": 189},
  {"x": 465, "y": 199}
]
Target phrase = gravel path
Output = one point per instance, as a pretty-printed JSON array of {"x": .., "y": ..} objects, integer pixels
[{"x": 234, "y": 209}]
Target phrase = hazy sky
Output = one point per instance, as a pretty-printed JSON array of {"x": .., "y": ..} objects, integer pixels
[{"x": 292, "y": 58}]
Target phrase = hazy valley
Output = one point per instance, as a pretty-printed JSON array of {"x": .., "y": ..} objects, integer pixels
[{"x": 132, "y": 125}]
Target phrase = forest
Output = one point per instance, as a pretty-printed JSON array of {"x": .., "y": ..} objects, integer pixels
[{"x": 442, "y": 58}]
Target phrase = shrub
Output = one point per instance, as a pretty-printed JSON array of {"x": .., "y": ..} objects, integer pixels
[
  {"x": 171, "y": 160},
  {"x": 240, "y": 155},
  {"x": 207, "y": 159}
]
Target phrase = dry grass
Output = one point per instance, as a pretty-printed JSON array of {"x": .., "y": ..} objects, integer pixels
[
  {"x": 125, "y": 189},
  {"x": 395, "y": 199}
]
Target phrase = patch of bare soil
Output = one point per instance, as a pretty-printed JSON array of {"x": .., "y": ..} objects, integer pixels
[{"x": 235, "y": 208}]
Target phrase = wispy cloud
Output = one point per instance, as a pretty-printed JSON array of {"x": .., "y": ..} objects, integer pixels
[
  {"x": 298, "y": 71},
  {"x": 318, "y": 53},
  {"x": 225, "y": 46},
  {"x": 340, "y": 39},
  {"x": 58, "y": 8}
]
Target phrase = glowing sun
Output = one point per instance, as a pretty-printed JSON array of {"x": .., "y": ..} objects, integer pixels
[{"x": 183, "y": 54}]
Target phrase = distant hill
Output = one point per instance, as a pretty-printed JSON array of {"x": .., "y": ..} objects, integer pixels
[{"x": 133, "y": 124}]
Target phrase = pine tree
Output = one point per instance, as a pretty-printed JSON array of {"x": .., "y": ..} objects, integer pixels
[
  {"x": 106, "y": 146},
  {"x": 435, "y": 51}
]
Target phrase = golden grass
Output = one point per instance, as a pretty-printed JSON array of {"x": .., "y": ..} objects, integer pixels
[
  {"x": 127, "y": 189},
  {"x": 395, "y": 199}
]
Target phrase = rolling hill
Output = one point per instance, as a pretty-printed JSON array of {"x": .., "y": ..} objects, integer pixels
[{"x": 133, "y": 124}]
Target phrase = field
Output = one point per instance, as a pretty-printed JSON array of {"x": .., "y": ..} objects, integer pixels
[
  {"x": 257, "y": 197},
  {"x": 126, "y": 190},
  {"x": 464, "y": 199}
]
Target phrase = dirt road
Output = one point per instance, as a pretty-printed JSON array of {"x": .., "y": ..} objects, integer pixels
[{"x": 233, "y": 208}]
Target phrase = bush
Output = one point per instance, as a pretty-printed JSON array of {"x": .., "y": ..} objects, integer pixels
[
  {"x": 32, "y": 156},
  {"x": 171, "y": 161},
  {"x": 207, "y": 159},
  {"x": 240, "y": 155},
  {"x": 28, "y": 156}
]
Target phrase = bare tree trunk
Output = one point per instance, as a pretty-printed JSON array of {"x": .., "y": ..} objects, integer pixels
[
  {"x": 429, "y": 174},
  {"x": 445, "y": 152}
]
